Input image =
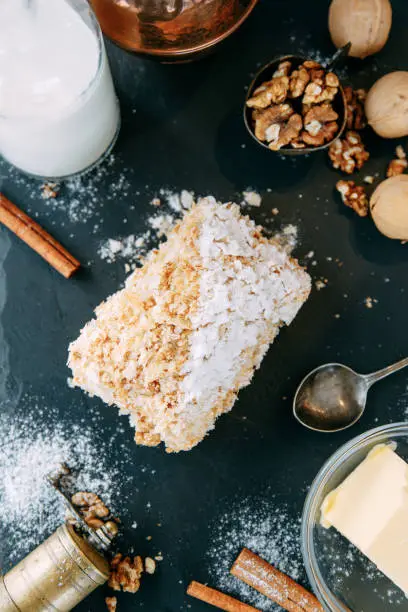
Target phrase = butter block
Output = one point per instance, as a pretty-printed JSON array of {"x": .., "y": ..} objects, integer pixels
[{"x": 370, "y": 509}]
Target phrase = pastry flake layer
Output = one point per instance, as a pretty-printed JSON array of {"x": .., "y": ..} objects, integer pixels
[{"x": 173, "y": 348}]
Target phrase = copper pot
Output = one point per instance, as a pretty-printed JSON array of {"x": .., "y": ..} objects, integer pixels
[{"x": 171, "y": 30}]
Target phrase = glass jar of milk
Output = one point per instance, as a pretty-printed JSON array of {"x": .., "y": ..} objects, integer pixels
[{"x": 59, "y": 115}]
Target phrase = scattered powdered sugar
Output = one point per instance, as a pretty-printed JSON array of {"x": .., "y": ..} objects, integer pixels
[
  {"x": 287, "y": 238},
  {"x": 178, "y": 202},
  {"x": 132, "y": 249},
  {"x": 402, "y": 403},
  {"x": 251, "y": 198},
  {"x": 81, "y": 198},
  {"x": 30, "y": 449},
  {"x": 267, "y": 529},
  {"x": 161, "y": 224}
]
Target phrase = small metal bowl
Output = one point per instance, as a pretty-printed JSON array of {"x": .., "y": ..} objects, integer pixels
[{"x": 265, "y": 74}]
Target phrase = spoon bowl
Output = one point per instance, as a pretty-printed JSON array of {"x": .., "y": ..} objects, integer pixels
[
  {"x": 333, "y": 397},
  {"x": 330, "y": 398}
]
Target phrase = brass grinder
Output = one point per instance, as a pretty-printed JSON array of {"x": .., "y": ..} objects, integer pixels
[
  {"x": 61, "y": 572},
  {"x": 55, "y": 577}
]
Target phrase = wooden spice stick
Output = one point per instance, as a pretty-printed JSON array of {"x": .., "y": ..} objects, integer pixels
[
  {"x": 272, "y": 583},
  {"x": 37, "y": 238},
  {"x": 217, "y": 599}
]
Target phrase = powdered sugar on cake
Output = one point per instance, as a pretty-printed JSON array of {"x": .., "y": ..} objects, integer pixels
[{"x": 244, "y": 288}]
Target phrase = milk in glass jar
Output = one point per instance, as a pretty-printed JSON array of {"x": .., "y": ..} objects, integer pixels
[{"x": 59, "y": 115}]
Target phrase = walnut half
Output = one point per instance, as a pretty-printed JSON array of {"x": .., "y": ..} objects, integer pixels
[
  {"x": 265, "y": 119},
  {"x": 286, "y": 133},
  {"x": 354, "y": 196},
  {"x": 320, "y": 125},
  {"x": 125, "y": 573},
  {"x": 399, "y": 165},
  {"x": 111, "y": 603},
  {"x": 348, "y": 154}
]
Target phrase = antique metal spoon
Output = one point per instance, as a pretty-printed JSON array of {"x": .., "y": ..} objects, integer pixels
[{"x": 333, "y": 396}]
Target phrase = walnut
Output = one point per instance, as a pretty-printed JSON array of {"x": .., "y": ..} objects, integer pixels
[
  {"x": 111, "y": 603},
  {"x": 271, "y": 92},
  {"x": 94, "y": 512},
  {"x": 49, "y": 190},
  {"x": 321, "y": 133},
  {"x": 323, "y": 113},
  {"x": 298, "y": 81},
  {"x": 283, "y": 69},
  {"x": 399, "y": 165},
  {"x": 356, "y": 119},
  {"x": 112, "y": 528},
  {"x": 354, "y": 196},
  {"x": 93, "y": 522},
  {"x": 150, "y": 565},
  {"x": 317, "y": 76},
  {"x": 396, "y": 167},
  {"x": 99, "y": 510},
  {"x": 320, "y": 125},
  {"x": 268, "y": 117},
  {"x": 348, "y": 153},
  {"x": 287, "y": 132},
  {"x": 318, "y": 91},
  {"x": 125, "y": 573},
  {"x": 311, "y": 64},
  {"x": 85, "y": 499},
  {"x": 298, "y": 143},
  {"x": 332, "y": 80}
]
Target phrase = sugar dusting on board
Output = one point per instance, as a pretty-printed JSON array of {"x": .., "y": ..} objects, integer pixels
[
  {"x": 10, "y": 389},
  {"x": 268, "y": 529},
  {"x": 169, "y": 208},
  {"x": 32, "y": 446},
  {"x": 81, "y": 199},
  {"x": 4, "y": 357}
]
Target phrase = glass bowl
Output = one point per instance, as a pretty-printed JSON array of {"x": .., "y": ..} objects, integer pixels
[{"x": 344, "y": 579}]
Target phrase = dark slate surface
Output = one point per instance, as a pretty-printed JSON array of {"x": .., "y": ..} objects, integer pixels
[{"x": 187, "y": 132}]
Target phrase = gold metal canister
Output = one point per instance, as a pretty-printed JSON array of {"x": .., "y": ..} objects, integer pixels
[{"x": 55, "y": 577}]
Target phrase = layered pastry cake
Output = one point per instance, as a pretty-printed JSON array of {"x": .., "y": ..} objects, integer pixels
[{"x": 173, "y": 348}]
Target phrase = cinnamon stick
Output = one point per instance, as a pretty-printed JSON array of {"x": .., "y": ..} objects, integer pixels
[
  {"x": 272, "y": 583},
  {"x": 37, "y": 238},
  {"x": 217, "y": 599}
]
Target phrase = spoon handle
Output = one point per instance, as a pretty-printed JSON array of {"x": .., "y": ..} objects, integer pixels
[{"x": 375, "y": 376}]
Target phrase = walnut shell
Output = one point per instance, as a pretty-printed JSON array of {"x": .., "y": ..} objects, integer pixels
[
  {"x": 386, "y": 105},
  {"x": 364, "y": 23},
  {"x": 389, "y": 207}
]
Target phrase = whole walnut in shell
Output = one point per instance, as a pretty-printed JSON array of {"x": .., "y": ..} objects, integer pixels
[
  {"x": 364, "y": 23},
  {"x": 389, "y": 207},
  {"x": 386, "y": 105}
]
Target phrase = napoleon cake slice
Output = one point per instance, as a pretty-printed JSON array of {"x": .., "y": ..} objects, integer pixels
[{"x": 174, "y": 347}]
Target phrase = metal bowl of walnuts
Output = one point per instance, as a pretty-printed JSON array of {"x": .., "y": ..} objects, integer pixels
[{"x": 295, "y": 105}]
